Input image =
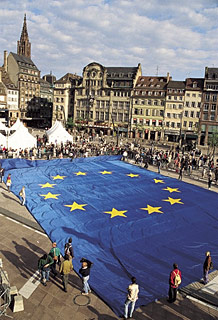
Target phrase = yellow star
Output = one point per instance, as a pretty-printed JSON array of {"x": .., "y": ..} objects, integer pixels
[
  {"x": 59, "y": 177},
  {"x": 105, "y": 172},
  {"x": 80, "y": 173},
  {"x": 115, "y": 213},
  {"x": 50, "y": 195},
  {"x": 173, "y": 201},
  {"x": 132, "y": 175},
  {"x": 75, "y": 206},
  {"x": 171, "y": 189},
  {"x": 151, "y": 209},
  {"x": 47, "y": 185},
  {"x": 158, "y": 181}
]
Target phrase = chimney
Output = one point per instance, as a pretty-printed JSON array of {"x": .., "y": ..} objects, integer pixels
[
  {"x": 168, "y": 77},
  {"x": 5, "y": 61}
]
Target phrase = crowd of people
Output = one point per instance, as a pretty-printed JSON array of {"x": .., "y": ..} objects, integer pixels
[
  {"x": 144, "y": 156},
  {"x": 171, "y": 158},
  {"x": 49, "y": 262}
]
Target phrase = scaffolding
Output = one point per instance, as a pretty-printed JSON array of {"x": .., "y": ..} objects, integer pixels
[{"x": 5, "y": 295}]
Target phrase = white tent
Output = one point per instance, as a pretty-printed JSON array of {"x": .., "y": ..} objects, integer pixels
[
  {"x": 3, "y": 140},
  {"x": 15, "y": 125},
  {"x": 2, "y": 126},
  {"x": 21, "y": 139},
  {"x": 57, "y": 134}
]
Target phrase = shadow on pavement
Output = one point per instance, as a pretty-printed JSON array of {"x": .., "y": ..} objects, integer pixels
[
  {"x": 8, "y": 197},
  {"x": 101, "y": 316}
]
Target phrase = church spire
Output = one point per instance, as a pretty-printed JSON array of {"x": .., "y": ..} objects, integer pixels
[{"x": 24, "y": 46}]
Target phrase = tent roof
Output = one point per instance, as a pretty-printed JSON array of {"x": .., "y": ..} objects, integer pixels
[
  {"x": 58, "y": 134},
  {"x": 15, "y": 125},
  {"x": 27, "y": 141}
]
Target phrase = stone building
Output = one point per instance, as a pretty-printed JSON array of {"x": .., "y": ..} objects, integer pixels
[
  {"x": 148, "y": 104},
  {"x": 3, "y": 101},
  {"x": 209, "y": 110},
  {"x": 23, "y": 72},
  {"x": 12, "y": 96},
  {"x": 191, "y": 111},
  {"x": 64, "y": 90},
  {"x": 102, "y": 100},
  {"x": 174, "y": 110}
]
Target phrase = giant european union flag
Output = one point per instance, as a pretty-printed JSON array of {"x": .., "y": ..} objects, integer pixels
[{"x": 128, "y": 221}]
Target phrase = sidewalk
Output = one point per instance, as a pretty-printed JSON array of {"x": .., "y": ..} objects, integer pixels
[{"x": 22, "y": 243}]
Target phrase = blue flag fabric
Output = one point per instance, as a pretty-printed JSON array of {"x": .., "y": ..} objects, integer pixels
[{"x": 128, "y": 221}]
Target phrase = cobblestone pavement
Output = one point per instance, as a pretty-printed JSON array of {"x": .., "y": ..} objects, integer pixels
[{"x": 23, "y": 242}]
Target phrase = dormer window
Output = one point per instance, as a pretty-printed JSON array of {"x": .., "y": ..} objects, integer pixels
[{"x": 194, "y": 84}]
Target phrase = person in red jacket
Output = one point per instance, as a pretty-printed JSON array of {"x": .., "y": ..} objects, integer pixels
[{"x": 174, "y": 282}]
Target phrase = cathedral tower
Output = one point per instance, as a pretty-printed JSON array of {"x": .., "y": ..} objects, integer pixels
[{"x": 24, "y": 46}]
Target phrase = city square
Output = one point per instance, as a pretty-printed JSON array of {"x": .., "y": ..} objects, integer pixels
[{"x": 119, "y": 163}]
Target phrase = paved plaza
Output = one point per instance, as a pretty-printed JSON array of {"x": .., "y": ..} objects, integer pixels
[{"x": 23, "y": 242}]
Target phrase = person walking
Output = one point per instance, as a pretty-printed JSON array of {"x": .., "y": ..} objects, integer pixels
[
  {"x": 158, "y": 165},
  {"x": 8, "y": 182},
  {"x": 132, "y": 297},
  {"x": 22, "y": 194},
  {"x": 44, "y": 265},
  {"x": 85, "y": 273},
  {"x": 180, "y": 173},
  {"x": 209, "y": 179},
  {"x": 216, "y": 175},
  {"x": 65, "y": 269},
  {"x": 55, "y": 253},
  {"x": 2, "y": 173},
  {"x": 68, "y": 249},
  {"x": 207, "y": 267},
  {"x": 174, "y": 282}
]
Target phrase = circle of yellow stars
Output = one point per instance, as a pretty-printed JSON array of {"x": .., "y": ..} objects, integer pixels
[{"x": 114, "y": 212}]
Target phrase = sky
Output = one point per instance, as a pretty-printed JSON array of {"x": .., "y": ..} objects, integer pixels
[{"x": 179, "y": 37}]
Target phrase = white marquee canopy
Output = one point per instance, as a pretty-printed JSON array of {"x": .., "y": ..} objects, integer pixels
[{"x": 57, "y": 134}]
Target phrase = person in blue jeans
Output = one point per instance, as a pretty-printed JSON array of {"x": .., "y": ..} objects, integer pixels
[
  {"x": 132, "y": 297},
  {"x": 85, "y": 273},
  {"x": 44, "y": 265}
]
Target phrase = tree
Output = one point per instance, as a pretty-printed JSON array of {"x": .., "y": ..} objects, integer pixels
[
  {"x": 70, "y": 123},
  {"x": 213, "y": 142}
]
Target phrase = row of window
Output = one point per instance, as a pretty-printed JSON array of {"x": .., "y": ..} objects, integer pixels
[
  {"x": 12, "y": 99},
  {"x": 149, "y": 93},
  {"x": 149, "y": 85},
  {"x": 174, "y": 106},
  {"x": 212, "y": 117},
  {"x": 193, "y": 104},
  {"x": 30, "y": 71},
  {"x": 148, "y": 122},
  {"x": 149, "y": 112},
  {"x": 175, "y": 98},
  {"x": 193, "y": 95},
  {"x": 191, "y": 114},
  {"x": 102, "y": 116},
  {"x": 13, "y": 92},
  {"x": 150, "y": 102},
  {"x": 174, "y": 115},
  {"x": 206, "y": 107},
  {"x": 210, "y": 97}
]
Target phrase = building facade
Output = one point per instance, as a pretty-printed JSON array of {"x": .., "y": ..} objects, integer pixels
[
  {"x": 64, "y": 90},
  {"x": 174, "y": 110},
  {"x": 209, "y": 110},
  {"x": 148, "y": 105},
  {"x": 12, "y": 96},
  {"x": 102, "y": 100},
  {"x": 191, "y": 111}
]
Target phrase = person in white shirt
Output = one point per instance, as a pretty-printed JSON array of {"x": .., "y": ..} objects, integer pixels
[{"x": 132, "y": 296}]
